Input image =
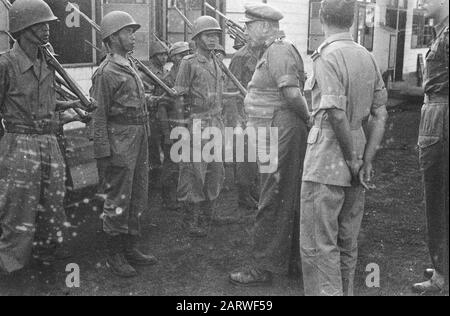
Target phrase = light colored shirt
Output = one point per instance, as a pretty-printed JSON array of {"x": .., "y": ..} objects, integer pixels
[{"x": 346, "y": 77}]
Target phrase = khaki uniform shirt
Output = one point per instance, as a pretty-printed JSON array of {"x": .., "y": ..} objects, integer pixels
[
  {"x": 280, "y": 66},
  {"x": 202, "y": 82},
  {"x": 346, "y": 77},
  {"x": 120, "y": 94},
  {"x": 27, "y": 92}
]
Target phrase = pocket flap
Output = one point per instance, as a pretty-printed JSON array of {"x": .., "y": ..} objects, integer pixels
[
  {"x": 427, "y": 141},
  {"x": 313, "y": 135}
]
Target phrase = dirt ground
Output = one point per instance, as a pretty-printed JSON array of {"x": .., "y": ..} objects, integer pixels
[{"x": 393, "y": 237}]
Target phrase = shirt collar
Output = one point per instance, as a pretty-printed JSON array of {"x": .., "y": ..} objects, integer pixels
[
  {"x": 119, "y": 60},
  {"x": 22, "y": 59},
  {"x": 345, "y": 36},
  {"x": 438, "y": 28}
]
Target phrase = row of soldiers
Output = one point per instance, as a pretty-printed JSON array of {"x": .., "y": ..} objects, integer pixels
[{"x": 317, "y": 219}]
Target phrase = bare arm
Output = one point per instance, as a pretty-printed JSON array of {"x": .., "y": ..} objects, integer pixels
[{"x": 376, "y": 129}]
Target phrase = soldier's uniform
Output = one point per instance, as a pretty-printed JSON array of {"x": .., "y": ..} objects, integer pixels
[
  {"x": 346, "y": 77},
  {"x": 170, "y": 169},
  {"x": 32, "y": 169},
  {"x": 157, "y": 112},
  {"x": 433, "y": 144},
  {"x": 276, "y": 228},
  {"x": 242, "y": 66},
  {"x": 121, "y": 148},
  {"x": 202, "y": 84}
]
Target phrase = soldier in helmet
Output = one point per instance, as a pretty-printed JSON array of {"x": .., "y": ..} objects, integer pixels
[
  {"x": 121, "y": 145},
  {"x": 347, "y": 89},
  {"x": 32, "y": 169},
  {"x": 159, "y": 54},
  {"x": 201, "y": 82},
  {"x": 170, "y": 170}
]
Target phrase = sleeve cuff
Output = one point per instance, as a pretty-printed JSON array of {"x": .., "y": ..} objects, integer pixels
[
  {"x": 288, "y": 81},
  {"x": 380, "y": 98},
  {"x": 333, "y": 102}
]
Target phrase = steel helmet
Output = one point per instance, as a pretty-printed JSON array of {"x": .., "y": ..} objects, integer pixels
[
  {"x": 204, "y": 24},
  {"x": 26, "y": 13},
  {"x": 115, "y": 21},
  {"x": 179, "y": 48},
  {"x": 158, "y": 48}
]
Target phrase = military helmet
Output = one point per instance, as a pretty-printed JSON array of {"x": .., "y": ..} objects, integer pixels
[
  {"x": 179, "y": 48},
  {"x": 115, "y": 21},
  {"x": 26, "y": 13},
  {"x": 158, "y": 48},
  {"x": 204, "y": 24}
]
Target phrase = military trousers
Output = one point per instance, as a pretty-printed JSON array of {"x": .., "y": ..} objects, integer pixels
[
  {"x": 124, "y": 180},
  {"x": 32, "y": 190},
  {"x": 201, "y": 181},
  {"x": 434, "y": 157},
  {"x": 330, "y": 223},
  {"x": 276, "y": 231}
]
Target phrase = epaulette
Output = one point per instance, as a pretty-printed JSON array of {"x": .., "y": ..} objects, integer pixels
[{"x": 315, "y": 55}]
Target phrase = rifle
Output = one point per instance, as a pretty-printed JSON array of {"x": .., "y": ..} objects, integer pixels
[
  {"x": 222, "y": 66},
  {"x": 73, "y": 85},
  {"x": 171, "y": 92},
  {"x": 7, "y": 4},
  {"x": 236, "y": 31},
  {"x": 185, "y": 19}
]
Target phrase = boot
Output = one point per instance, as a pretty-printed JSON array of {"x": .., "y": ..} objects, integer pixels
[
  {"x": 134, "y": 256},
  {"x": 195, "y": 227},
  {"x": 116, "y": 261},
  {"x": 433, "y": 286}
]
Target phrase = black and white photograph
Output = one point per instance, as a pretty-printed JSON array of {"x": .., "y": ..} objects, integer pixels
[{"x": 224, "y": 152}]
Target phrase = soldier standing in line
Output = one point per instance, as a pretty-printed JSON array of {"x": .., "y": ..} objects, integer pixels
[
  {"x": 433, "y": 144},
  {"x": 275, "y": 100},
  {"x": 170, "y": 169},
  {"x": 347, "y": 90},
  {"x": 200, "y": 81},
  {"x": 159, "y": 55},
  {"x": 32, "y": 169},
  {"x": 121, "y": 145},
  {"x": 242, "y": 66}
]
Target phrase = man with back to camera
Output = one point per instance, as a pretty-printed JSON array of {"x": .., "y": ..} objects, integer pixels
[{"x": 347, "y": 89}]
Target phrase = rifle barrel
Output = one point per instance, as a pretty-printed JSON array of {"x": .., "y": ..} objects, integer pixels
[{"x": 74, "y": 87}]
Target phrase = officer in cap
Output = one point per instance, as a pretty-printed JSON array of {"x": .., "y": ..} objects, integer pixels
[
  {"x": 201, "y": 82},
  {"x": 159, "y": 55},
  {"x": 347, "y": 89},
  {"x": 170, "y": 169},
  {"x": 32, "y": 169},
  {"x": 121, "y": 144},
  {"x": 275, "y": 99}
]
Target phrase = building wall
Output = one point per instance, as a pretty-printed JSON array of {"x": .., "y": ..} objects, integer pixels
[
  {"x": 4, "y": 41},
  {"x": 410, "y": 53}
]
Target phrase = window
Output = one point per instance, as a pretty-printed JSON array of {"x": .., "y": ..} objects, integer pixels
[
  {"x": 316, "y": 35},
  {"x": 365, "y": 26},
  {"x": 422, "y": 32},
  {"x": 72, "y": 37}
]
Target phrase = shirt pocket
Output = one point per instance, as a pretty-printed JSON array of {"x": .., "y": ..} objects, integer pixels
[{"x": 313, "y": 135}]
